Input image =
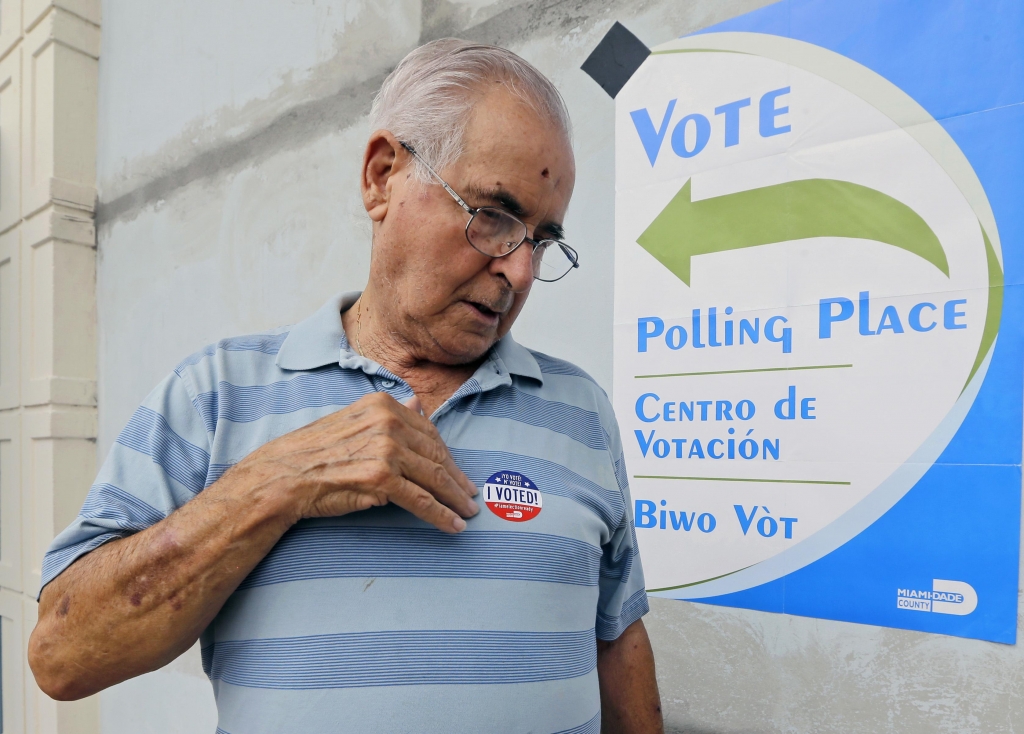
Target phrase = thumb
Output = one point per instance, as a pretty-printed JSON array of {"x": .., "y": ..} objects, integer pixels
[{"x": 413, "y": 404}]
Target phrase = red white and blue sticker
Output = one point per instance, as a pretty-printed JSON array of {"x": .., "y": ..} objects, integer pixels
[{"x": 512, "y": 497}]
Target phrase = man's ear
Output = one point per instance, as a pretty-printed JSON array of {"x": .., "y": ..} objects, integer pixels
[{"x": 379, "y": 167}]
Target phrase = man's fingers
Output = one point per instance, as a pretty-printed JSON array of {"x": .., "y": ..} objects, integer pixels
[
  {"x": 433, "y": 448},
  {"x": 436, "y": 479},
  {"x": 421, "y": 466},
  {"x": 427, "y": 429},
  {"x": 460, "y": 476},
  {"x": 422, "y": 504}
]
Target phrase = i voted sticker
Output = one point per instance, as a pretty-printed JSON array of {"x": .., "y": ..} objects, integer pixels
[{"x": 512, "y": 497}]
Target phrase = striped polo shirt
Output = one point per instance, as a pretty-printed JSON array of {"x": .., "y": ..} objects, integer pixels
[{"x": 376, "y": 621}]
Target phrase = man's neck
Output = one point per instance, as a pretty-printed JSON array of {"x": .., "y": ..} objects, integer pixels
[{"x": 432, "y": 382}]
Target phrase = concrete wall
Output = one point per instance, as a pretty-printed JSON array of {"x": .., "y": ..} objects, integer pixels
[{"x": 230, "y": 135}]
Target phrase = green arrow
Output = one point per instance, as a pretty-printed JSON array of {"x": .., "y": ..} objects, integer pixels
[{"x": 797, "y": 210}]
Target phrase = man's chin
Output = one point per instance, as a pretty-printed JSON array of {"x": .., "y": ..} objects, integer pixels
[{"x": 464, "y": 349}]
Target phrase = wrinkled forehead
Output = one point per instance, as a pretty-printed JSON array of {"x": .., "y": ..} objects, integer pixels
[
  {"x": 514, "y": 145},
  {"x": 503, "y": 123}
]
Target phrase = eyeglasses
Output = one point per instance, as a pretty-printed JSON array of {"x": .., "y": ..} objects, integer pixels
[{"x": 496, "y": 233}]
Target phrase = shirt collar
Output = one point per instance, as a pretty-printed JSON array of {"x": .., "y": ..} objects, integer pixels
[
  {"x": 518, "y": 360},
  {"x": 320, "y": 340}
]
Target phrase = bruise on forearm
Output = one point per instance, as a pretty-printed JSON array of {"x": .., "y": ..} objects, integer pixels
[
  {"x": 120, "y": 610},
  {"x": 134, "y": 604}
]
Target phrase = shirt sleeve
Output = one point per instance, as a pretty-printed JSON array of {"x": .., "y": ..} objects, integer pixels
[
  {"x": 159, "y": 462},
  {"x": 622, "y": 597}
]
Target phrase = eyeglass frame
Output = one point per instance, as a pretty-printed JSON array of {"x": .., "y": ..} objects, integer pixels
[{"x": 568, "y": 250}]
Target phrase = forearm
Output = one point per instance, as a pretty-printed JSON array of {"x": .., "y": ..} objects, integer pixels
[
  {"x": 630, "y": 703},
  {"x": 135, "y": 604}
]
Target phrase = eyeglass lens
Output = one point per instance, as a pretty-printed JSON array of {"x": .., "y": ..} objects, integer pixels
[
  {"x": 551, "y": 261},
  {"x": 496, "y": 233}
]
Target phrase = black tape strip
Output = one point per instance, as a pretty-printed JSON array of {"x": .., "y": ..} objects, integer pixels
[{"x": 616, "y": 58}]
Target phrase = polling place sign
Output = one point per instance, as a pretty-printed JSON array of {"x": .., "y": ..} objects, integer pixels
[{"x": 818, "y": 317}]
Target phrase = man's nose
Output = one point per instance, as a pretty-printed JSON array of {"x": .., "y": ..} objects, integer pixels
[{"x": 516, "y": 267}]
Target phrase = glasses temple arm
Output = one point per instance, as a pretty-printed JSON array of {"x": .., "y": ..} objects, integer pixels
[{"x": 444, "y": 183}]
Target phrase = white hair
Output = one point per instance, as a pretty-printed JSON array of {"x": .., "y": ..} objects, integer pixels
[{"x": 427, "y": 100}]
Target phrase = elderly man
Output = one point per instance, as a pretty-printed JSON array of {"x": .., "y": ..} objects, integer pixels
[{"x": 347, "y": 563}]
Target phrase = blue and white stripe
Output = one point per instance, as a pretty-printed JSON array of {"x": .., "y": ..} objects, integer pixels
[
  {"x": 149, "y": 433},
  {"x": 342, "y": 608},
  {"x": 338, "y": 551},
  {"x": 591, "y": 727},
  {"x": 125, "y": 510},
  {"x": 516, "y": 405},
  {"x": 246, "y": 403},
  {"x": 266, "y": 343},
  {"x": 405, "y": 658}
]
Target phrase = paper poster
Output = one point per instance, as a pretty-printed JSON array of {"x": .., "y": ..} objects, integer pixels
[{"x": 818, "y": 347}]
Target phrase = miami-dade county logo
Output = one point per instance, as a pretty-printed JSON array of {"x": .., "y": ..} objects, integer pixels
[
  {"x": 945, "y": 597},
  {"x": 511, "y": 496}
]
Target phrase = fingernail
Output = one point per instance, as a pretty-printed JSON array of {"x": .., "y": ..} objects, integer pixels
[
  {"x": 473, "y": 508},
  {"x": 475, "y": 491},
  {"x": 459, "y": 524}
]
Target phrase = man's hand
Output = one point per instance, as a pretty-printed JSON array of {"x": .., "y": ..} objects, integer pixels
[
  {"x": 373, "y": 452},
  {"x": 160, "y": 588}
]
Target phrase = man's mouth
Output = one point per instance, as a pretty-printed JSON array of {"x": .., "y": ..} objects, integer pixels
[{"x": 488, "y": 313}]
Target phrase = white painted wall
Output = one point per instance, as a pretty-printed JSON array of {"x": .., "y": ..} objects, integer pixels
[
  {"x": 230, "y": 135},
  {"x": 187, "y": 76}
]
